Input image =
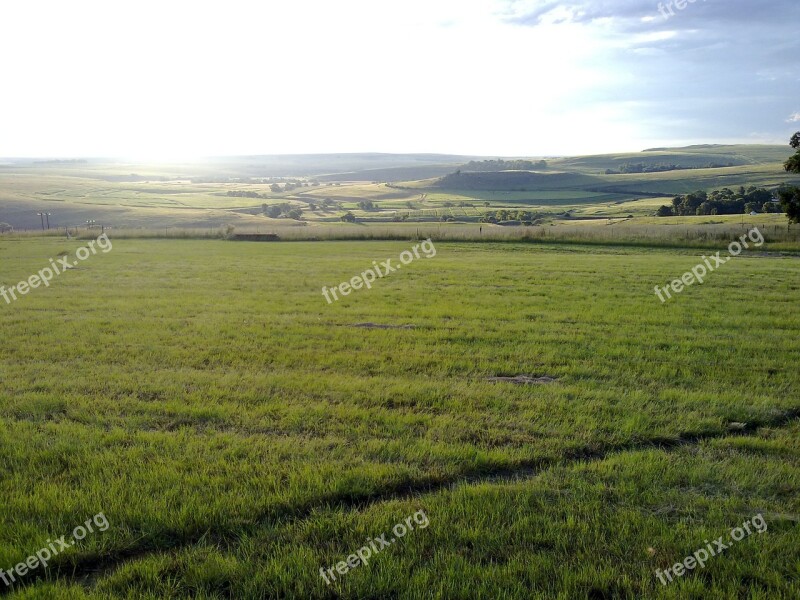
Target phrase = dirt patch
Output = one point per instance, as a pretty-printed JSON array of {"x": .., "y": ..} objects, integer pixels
[
  {"x": 523, "y": 380},
  {"x": 378, "y": 326},
  {"x": 254, "y": 237},
  {"x": 734, "y": 426}
]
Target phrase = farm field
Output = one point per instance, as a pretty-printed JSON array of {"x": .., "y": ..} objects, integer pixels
[
  {"x": 239, "y": 433},
  {"x": 238, "y": 192}
]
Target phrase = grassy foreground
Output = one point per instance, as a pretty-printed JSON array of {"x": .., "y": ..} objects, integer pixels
[{"x": 239, "y": 433}]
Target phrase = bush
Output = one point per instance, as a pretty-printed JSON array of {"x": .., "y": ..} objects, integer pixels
[{"x": 664, "y": 211}]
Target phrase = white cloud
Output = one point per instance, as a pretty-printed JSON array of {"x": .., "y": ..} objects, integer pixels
[
  {"x": 184, "y": 78},
  {"x": 795, "y": 118},
  {"x": 243, "y": 77}
]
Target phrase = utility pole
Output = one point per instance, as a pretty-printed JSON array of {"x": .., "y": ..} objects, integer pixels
[
  {"x": 41, "y": 215},
  {"x": 48, "y": 220}
]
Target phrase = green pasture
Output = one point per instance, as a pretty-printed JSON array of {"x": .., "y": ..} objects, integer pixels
[{"x": 239, "y": 433}]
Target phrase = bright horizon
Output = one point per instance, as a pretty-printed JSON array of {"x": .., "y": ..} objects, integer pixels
[{"x": 187, "y": 80}]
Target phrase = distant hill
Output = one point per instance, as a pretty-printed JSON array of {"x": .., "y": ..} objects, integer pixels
[
  {"x": 757, "y": 153},
  {"x": 484, "y": 166},
  {"x": 320, "y": 165},
  {"x": 690, "y": 157},
  {"x": 353, "y": 167},
  {"x": 217, "y": 191},
  {"x": 512, "y": 181},
  {"x": 651, "y": 161},
  {"x": 391, "y": 174}
]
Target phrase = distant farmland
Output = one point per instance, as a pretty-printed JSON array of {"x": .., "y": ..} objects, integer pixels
[{"x": 202, "y": 195}]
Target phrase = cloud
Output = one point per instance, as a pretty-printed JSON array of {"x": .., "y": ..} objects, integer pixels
[
  {"x": 795, "y": 118},
  {"x": 535, "y": 12},
  {"x": 513, "y": 77}
]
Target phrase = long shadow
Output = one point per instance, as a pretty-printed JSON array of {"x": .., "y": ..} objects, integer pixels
[{"x": 86, "y": 570}]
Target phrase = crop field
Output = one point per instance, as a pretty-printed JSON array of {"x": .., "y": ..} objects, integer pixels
[{"x": 535, "y": 419}]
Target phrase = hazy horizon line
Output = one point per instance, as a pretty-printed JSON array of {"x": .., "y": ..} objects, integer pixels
[{"x": 117, "y": 157}]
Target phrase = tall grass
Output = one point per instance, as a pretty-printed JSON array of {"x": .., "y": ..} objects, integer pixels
[{"x": 718, "y": 235}]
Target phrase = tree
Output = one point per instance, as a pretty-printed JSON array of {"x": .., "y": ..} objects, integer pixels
[
  {"x": 790, "y": 196},
  {"x": 274, "y": 211},
  {"x": 275, "y": 188},
  {"x": 5, "y": 228},
  {"x": 793, "y": 164},
  {"x": 349, "y": 217},
  {"x": 722, "y": 202},
  {"x": 790, "y": 201},
  {"x": 704, "y": 208},
  {"x": 664, "y": 211},
  {"x": 295, "y": 214}
]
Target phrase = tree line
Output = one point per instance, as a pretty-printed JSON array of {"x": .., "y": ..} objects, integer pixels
[
  {"x": 285, "y": 210},
  {"x": 275, "y": 188},
  {"x": 722, "y": 202},
  {"x": 525, "y": 217},
  {"x": 243, "y": 180},
  {"x": 487, "y": 166},
  {"x": 640, "y": 167}
]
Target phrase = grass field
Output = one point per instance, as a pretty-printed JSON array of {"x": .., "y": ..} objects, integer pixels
[{"x": 239, "y": 433}]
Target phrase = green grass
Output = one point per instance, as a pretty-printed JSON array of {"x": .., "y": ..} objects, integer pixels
[{"x": 239, "y": 434}]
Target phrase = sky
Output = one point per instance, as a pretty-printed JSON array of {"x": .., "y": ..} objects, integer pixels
[{"x": 182, "y": 79}]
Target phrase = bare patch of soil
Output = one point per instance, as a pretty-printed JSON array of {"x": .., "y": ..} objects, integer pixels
[
  {"x": 523, "y": 380},
  {"x": 378, "y": 326}
]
